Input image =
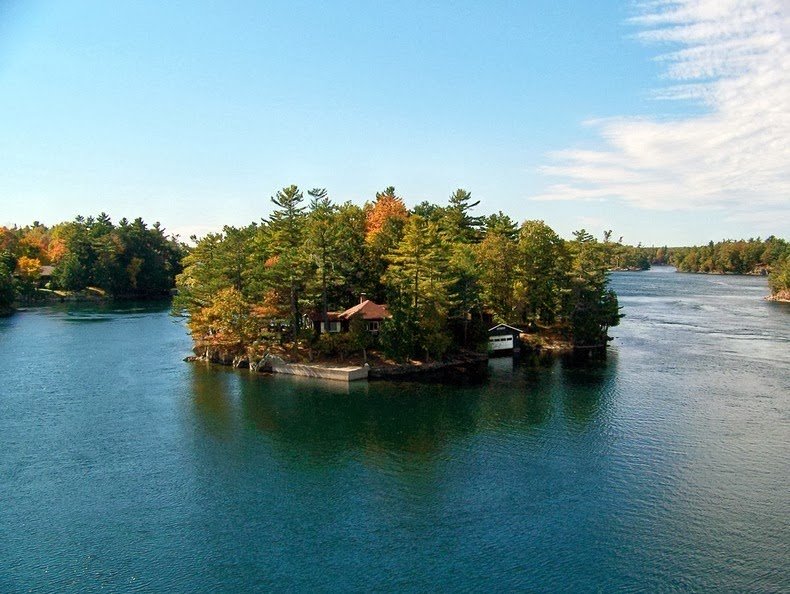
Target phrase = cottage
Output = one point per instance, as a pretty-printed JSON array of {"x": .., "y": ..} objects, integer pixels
[
  {"x": 502, "y": 339},
  {"x": 372, "y": 313}
]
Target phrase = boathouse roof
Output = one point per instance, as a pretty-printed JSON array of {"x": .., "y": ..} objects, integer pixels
[{"x": 506, "y": 327}]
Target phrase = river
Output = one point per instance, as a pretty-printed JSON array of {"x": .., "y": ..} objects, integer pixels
[{"x": 666, "y": 467}]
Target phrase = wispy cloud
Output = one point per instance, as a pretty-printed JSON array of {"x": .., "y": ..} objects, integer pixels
[{"x": 732, "y": 57}]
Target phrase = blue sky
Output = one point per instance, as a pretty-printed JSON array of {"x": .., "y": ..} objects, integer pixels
[{"x": 584, "y": 114}]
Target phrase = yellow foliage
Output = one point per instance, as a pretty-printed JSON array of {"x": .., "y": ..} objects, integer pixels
[
  {"x": 227, "y": 322},
  {"x": 28, "y": 268}
]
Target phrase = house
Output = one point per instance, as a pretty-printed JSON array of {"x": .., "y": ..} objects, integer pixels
[
  {"x": 45, "y": 273},
  {"x": 372, "y": 313},
  {"x": 502, "y": 339}
]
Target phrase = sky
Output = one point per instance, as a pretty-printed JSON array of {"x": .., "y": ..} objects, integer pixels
[{"x": 667, "y": 122}]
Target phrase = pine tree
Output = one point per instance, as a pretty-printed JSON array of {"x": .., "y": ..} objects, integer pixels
[{"x": 285, "y": 228}]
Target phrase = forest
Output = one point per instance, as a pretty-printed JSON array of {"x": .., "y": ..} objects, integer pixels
[
  {"x": 752, "y": 256},
  {"x": 444, "y": 273},
  {"x": 127, "y": 260}
]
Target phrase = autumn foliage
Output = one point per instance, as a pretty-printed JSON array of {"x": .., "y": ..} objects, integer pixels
[{"x": 386, "y": 206}]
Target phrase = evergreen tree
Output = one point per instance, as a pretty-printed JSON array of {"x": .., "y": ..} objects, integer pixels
[
  {"x": 6, "y": 289},
  {"x": 285, "y": 229},
  {"x": 457, "y": 224},
  {"x": 322, "y": 248}
]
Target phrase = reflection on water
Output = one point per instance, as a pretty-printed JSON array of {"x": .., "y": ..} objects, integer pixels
[
  {"x": 329, "y": 421},
  {"x": 214, "y": 407}
]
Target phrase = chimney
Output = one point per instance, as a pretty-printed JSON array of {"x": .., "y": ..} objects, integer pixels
[{"x": 363, "y": 297}]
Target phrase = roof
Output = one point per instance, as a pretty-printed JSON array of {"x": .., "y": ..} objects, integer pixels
[
  {"x": 46, "y": 270},
  {"x": 503, "y": 326},
  {"x": 368, "y": 310}
]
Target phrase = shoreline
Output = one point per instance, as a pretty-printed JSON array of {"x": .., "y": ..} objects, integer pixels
[
  {"x": 780, "y": 297},
  {"x": 461, "y": 365}
]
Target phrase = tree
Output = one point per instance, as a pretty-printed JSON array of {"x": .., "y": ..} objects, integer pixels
[
  {"x": 591, "y": 306},
  {"x": 285, "y": 229},
  {"x": 496, "y": 259},
  {"x": 218, "y": 261},
  {"x": 457, "y": 224},
  {"x": 28, "y": 272},
  {"x": 226, "y": 324},
  {"x": 417, "y": 266},
  {"x": 387, "y": 206},
  {"x": 540, "y": 272},
  {"x": 779, "y": 279},
  {"x": 418, "y": 285},
  {"x": 501, "y": 224},
  {"x": 321, "y": 247},
  {"x": 6, "y": 289}
]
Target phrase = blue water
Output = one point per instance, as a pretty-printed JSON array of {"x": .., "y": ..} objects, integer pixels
[{"x": 667, "y": 467}]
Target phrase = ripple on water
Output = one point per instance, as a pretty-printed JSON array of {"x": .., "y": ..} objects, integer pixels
[{"x": 664, "y": 467}]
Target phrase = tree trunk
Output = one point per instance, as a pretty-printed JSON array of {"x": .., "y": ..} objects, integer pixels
[{"x": 294, "y": 317}]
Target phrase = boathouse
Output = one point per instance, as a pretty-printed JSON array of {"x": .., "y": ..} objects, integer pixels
[{"x": 503, "y": 338}]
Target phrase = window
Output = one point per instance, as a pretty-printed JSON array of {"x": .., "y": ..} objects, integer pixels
[
  {"x": 333, "y": 327},
  {"x": 372, "y": 326}
]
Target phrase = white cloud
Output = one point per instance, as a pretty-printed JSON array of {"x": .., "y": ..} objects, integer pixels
[{"x": 733, "y": 57}]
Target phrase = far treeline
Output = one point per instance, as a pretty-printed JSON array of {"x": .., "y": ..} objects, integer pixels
[
  {"x": 444, "y": 274},
  {"x": 769, "y": 256},
  {"x": 127, "y": 260}
]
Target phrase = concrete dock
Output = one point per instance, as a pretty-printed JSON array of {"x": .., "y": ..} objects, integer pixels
[{"x": 341, "y": 374}]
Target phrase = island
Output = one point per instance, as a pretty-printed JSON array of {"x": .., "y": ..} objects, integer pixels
[{"x": 393, "y": 289}]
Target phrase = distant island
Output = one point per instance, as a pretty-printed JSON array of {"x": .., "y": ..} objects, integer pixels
[
  {"x": 770, "y": 257},
  {"x": 88, "y": 258}
]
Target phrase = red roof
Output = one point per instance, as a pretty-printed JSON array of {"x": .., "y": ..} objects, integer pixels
[{"x": 368, "y": 310}]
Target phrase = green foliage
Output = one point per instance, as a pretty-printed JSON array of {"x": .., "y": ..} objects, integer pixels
[
  {"x": 542, "y": 262},
  {"x": 359, "y": 337},
  {"x": 400, "y": 334},
  {"x": 129, "y": 259},
  {"x": 442, "y": 272},
  {"x": 334, "y": 345},
  {"x": 6, "y": 288},
  {"x": 285, "y": 234},
  {"x": 501, "y": 224},
  {"x": 779, "y": 279},
  {"x": 737, "y": 257},
  {"x": 496, "y": 259},
  {"x": 218, "y": 261},
  {"x": 590, "y": 305},
  {"x": 457, "y": 224},
  {"x": 417, "y": 266},
  {"x": 322, "y": 250}
]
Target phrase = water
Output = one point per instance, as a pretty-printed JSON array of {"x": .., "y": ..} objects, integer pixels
[{"x": 664, "y": 468}]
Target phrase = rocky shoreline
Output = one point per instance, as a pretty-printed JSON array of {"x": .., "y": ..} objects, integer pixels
[
  {"x": 460, "y": 365},
  {"x": 780, "y": 297}
]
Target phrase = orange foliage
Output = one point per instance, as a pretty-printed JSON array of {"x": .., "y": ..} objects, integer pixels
[
  {"x": 387, "y": 206},
  {"x": 57, "y": 249},
  {"x": 6, "y": 238},
  {"x": 269, "y": 307}
]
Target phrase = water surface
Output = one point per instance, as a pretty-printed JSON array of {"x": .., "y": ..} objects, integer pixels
[{"x": 664, "y": 468}]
